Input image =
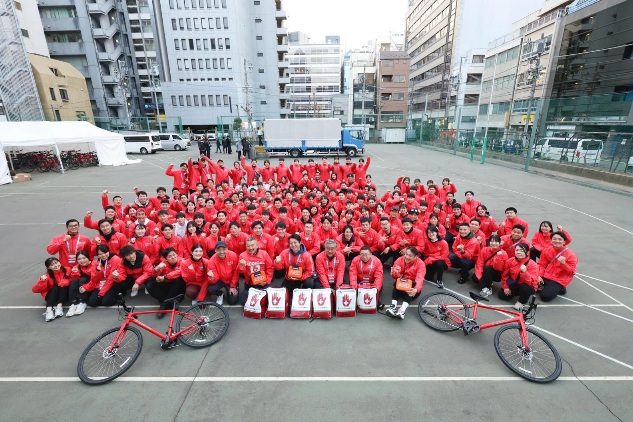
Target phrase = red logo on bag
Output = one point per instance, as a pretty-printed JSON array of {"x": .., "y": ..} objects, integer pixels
[
  {"x": 253, "y": 300},
  {"x": 346, "y": 300},
  {"x": 321, "y": 299},
  {"x": 368, "y": 298},
  {"x": 276, "y": 299},
  {"x": 302, "y": 299}
]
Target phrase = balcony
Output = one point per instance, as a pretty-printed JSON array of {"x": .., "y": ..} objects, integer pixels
[
  {"x": 114, "y": 101},
  {"x": 109, "y": 80},
  {"x": 282, "y": 48},
  {"x": 60, "y": 24},
  {"x": 66, "y": 48},
  {"x": 282, "y": 64},
  {"x": 101, "y": 8},
  {"x": 110, "y": 57},
  {"x": 284, "y": 110},
  {"x": 284, "y": 96},
  {"x": 284, "y": 80},
  {"x": 281, "y": 14},
  {"x": 282, "y": 31},
  {"x": 106, "y": 33}
]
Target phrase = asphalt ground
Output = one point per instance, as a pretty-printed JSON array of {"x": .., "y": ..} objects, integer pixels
[{"x": 370, "y": 367}]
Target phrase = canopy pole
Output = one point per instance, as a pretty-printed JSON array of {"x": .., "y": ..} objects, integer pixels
[{"x": 59, "y": 158}]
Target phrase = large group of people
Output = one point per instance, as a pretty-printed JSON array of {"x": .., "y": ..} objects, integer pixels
[{"x": 220, "y": 231}]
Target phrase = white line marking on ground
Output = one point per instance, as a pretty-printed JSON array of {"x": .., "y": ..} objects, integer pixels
[
  {"x": 606, "y": 294},
  {"x": 311, "y": 379},
  {"x": 377, "y": 156},
  {"x": 31, "y": 224},
  {"x": 607, "y": 282},
  {"x": 596, "y": 308}
]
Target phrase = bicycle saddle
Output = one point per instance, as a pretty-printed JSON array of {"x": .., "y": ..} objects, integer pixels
[
  {"x": 477, "y": 298},
  {"x": 176, "y": 299}
]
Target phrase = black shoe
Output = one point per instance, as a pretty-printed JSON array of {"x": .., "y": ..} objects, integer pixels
[
  {"x": 161, "y": 315},
  {"x": 563, "y": 291},
  {"x": 461, "y": 280}
]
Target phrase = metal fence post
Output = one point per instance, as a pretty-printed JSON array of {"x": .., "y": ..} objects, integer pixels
[
  {"x": 483, "y": 151},
  {"x": 472, "y": 149}
]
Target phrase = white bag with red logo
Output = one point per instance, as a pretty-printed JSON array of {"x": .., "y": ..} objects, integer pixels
[
  {"x": 255, "y": 305},
  {"x": 301, "y": 303},
  {"x": 367, "y": 300},
  {"x": 322, "y": 303},
  {"x": 345, "y": 302},
  {"x": 277, "y": 302}
]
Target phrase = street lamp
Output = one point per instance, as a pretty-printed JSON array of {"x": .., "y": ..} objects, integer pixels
[{"x": 155, "y": 83}]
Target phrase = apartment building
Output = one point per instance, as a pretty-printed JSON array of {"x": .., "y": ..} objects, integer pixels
[
  {"x": 393, "y": 93},
  {"x": 439, "y": 33},
  {"x": 314, "y": 70},
  {"x": 222, "y": 60},
  {"x": 359, "y": 73}
]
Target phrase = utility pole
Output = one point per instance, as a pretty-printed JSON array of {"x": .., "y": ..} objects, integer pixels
[
  {"x": 492, "y": 90},
  {"x": 534, "y": 72},
  {"x": 122, "y": 84},
  {"x": 248, "y": 109},
  {"x": 363, "y": 96},
  {"x": 447, "y": 60},
  {"x": 155, "y": 82}
]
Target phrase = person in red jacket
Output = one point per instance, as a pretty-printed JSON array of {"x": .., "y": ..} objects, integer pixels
[
  {"x": 557, "y": 267},
  {"x": 411, "y": 236},
  {"x": 53, "y": 286},
  {"x": 452, "y": 223},
  {"x": 487, "y": 224},
  {"x": 236, "y": 239},
  {"x": 436, "y": 257},
  {"x": 265, "y": 241},
  {"x": 296, "y": 172},
  {"x": 310, "y": 239},
  {"x": 135, "y": 269},
  {"x": 366, "y": 270},
  {"x": 67, "y": 245},
  {"x": 465, "y": 251},
  {"x": 193, "y": 174},
  {"x": 144, "y": 243},
  {"x": 408, "y": 272},
  {"x": 520, "y": 277},
  {"x": 224, "y": 276},
  {"x": 79, "y": 275},
  {"x": 505, "y": 227},
  {"x": 282, "y": 170},
  {"x": 389, "y": 238},
  {"x": 180, "y": 176},
  {"x": 348, "y": 244},
  {"x": 330, "y": 266},
  {"x": 102, "y": 268},
  {"x": 367, "y": 235},
  {"x": 542, "y": 239},
  {"x": 109, "y": 237},
  {"x": 489, "y": 265},
  {"x": 166, "y": 282},
  {"x": 297, "y": 265},
  {"x": 510, "y": 241},
  {"x": 361, "y": 171},
  {"x": 195, "y": 272},
  {"x": 257, "y": 267},
  {"x": 469, "y": 206},
  {"x": 110, "y": 215}
]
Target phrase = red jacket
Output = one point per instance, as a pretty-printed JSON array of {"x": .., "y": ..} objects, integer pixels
[
  {"x": 312, "y": 243},
  {"x": 187, "y": 243},
  {"x": 169, "y": 271},
  {"x": 116, "y": 242},
  {"x": 470, "y": 208},
  {"x": 100, "y": 274},
  {"x": 254, "y": 263},
  {"x": 267, "y": 173},
  {"x": 147, "y": 245},
  {"x": 302, "y": 260},
  {"x": 195, "y": 272},
  {"x": 296, "y": 173},
  {"x": 140, "y": 271},
  {"x": 341, "y": 244},
  {"x": 180, "y": 178},
  {"x": 225, "y": 270},
  {"x": 164, "y": 243},
  {"x": 540, "y": 241},
  {"x": 436, "y": 251},
  {"x": 391, "y": 240},
  {"x": 280, "y": 245},
  {"x": 414, "y": 238},
  {"x": 505, "y": 227},
  {"x": 89, "y": 223},
  {"x": 471, "y": 247},
  {"x": 508, "y": 245},
  {"x": 487, "y": 225},
  {"x": 64, "y": 248},
  {"x": 371, "y": 239},
  {"x": 266, "y": 243},
  {"x": 490, "y": 258},
  {"x": 193, "y": 175},
  {"x": 325, "y": 235},
  {"x": 512, "y": 269},
  {"x": 453, "y": 221},
  {"x": 330, "y": 269},
  {"x": 44, "y": 286},
  {"x": 237, "y": 243},
  {"x": 361, "y": 172},
  {"x": 552, "y": 269},
  {"x": 221, "y": 173},
  {"x": 118, "y": 209},
  {"x": 282, "y": 171},
  {"x": 414, "y": 271},
  {"x": 370, "y": 272}
]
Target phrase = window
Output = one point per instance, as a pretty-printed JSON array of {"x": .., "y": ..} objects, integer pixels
[
  {"x": 258, "y": 38},
  {"x": 181, "y": 24},
  {"x": 227, "y": 43},
  {"x": 215, "y": 63},
  {"x": 179, "y": 4},
  {"x": 171, "y": 4},
  {"x": 195, "y": 101},
  {"x": 205, "y": 42},
  {"x": 193, "y": 64},
  {"x": 628, "y": 51},
  {"x": 177, "y": 44},
  {"x": 223, "y": 4},
  {"x": 187, "y": 4},
  {"x": 210, "y": 100},
  {"x": 196, "y": 24},
  {"x": 58, "y": 116},
  {"x": 226, "y": 100},
  {"x": 216, "y": 3},
  {"x": 387, "y": 63},
  {"x": 179, "y": 64},
  {"x": 258, "y": 20},
  {"x": 259, "y": 54},
  {"x": 201, "y": 4},
  {"x": 198, "y": 44},
  {"x": 189, "y": 24},
  {"x": 203, "y": 100},
  {"x": 183, "y": 43},
  {"x": 226, "y": 22},
  {"x": 220, "y": 44},
  {"x": 478, "y": 58},
  {"x": 229, "y": 64},
  {"x": 212, "y": 43},
  {"x": 210, "y": 23},
  {"x": 218, "y": 23},
  {"x": 221, "y": 63},
  {"x": 218, "y": 100},
  {"x": 483, "y": 109},
  {"x": 398, "y": 96},
  {"x": 200, "y": 64},
  {"x": 203, "y": 23},
  {"x": 174, "y": 25},
  {"x": 398, "y": 78},
  {"x": 263, "y": 102},
  {"x": 260, "y": 70},
  {"x": 392, "y": 117},
  {"x": 188, "y": 98},
  {"x": 256, "y": 2},
  {"x": 52, "y": 91},
  {"x": 194, "y": 4},
  {"x": 25, "y": 33},
  {"x": 174, "y": 101},
  {"x": 208, "y": 63},
  {"x": 262, "y": 87},
  {"x": 190, "y": 43}
]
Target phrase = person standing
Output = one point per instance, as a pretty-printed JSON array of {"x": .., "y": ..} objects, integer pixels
[
  {"x": 218, "y": 145},
  {"x": 201, "y": 147},
  {"x": 207, "y": 146},
  {"x": 260, "y": 136},
  {"x": 246, "y": 146},
  {"x": 228, "y": 145},
  {"x": 238, "y": 149}
]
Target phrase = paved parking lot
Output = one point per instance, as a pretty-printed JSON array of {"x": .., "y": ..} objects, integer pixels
[{"x": 365, "y": 368}]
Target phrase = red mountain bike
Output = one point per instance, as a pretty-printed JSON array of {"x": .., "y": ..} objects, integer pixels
[
  {"x": 116, "y": 350},
  {"x": 522, "y": 349}
]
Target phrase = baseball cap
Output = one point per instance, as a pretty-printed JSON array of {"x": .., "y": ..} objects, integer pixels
[
  {"x": 414, "y": 211},
  {"x": 395, "y": 209},
  {"x": 220, "y": 244}
]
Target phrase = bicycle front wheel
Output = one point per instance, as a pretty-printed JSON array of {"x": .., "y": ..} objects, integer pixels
[
  {"x": 443, "y": 311},
  {"x": 204, "y": 324},
  {"x": 537, "y": 361},
  {"x": 101, "y": 363}
]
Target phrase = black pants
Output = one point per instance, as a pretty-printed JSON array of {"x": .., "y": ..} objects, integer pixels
[
  {"x": 207, "y": 150},
  {"x": 111, "y": 297},
  {"x": 239, "y": 155},
  {"x": 73, "y": 291},
  {"x": 524, "y": 291},
  {"x": 488, "y": 276},
  {"x": 436, "y": 269},
  {"x": 165, "y": 290},
  {"x": 464, "y": 265},
  {"x": 218, "y": 148},
  {"x": 449, "y": 239},
  {"x": 56, "y": 295},
  {"x": 551, "y": 289},
  {"x": 398, "y": 295},
  {"x": 384, "y": 257},
  {"x": 535, "y": 254},
  {"x": 218, "y": 289}
]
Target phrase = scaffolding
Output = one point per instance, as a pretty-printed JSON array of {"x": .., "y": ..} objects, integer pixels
[{"x": 17, "y": 85}]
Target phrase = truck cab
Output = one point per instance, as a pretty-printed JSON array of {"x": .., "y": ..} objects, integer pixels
[{"x": 353, "y": 141}]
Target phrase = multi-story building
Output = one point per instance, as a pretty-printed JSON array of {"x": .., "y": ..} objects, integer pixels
[
  {"x": 314, "y": 70},
  {"x": 222, "y": 60},
  {"x": 93, "y": 37},
  {"x": 439, "y": 33},
  {"x": 393, "y": 92},
  {"x": 18, "y": 92},
  {"x": 359, "y": 77}
]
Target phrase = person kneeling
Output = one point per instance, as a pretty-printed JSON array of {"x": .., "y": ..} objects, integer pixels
[
  {"x": 167, "y": 282},
  {"x": 409, "y": 272},
  {"x": 297, "y": 264},
  {"x": 519, "y": 277}
]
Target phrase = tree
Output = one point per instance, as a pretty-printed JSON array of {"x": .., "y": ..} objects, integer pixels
[{"x": 237, "y": 126}]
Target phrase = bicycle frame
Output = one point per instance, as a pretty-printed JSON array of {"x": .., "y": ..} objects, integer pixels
[{"x": 518, "y": 317}]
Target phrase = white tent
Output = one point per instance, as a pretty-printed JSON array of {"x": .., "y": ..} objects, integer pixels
[{"x": 110, "y": 146}]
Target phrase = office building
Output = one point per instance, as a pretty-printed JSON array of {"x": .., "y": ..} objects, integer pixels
[
  {"x": 359, "y": 82},
  {"x": 393, "y": 93}
]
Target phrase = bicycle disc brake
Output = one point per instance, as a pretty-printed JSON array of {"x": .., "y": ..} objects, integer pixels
[{"x": 166, "y": 344}]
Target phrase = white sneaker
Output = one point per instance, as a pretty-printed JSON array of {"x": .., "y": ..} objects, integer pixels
[
  {"x": 133, "y": 293},
  {"x": 400, "y": 315},
  {"x": 59, "y": 311},
  {"x": 71, "y": 310},
  {"x": 518, "y": 306},
  {"x": 194, "y": 302},
  {"x": 391, "y": 311},
  {"x": 146, "y": 292},
  {"x": 81, "y": 308},
  {"x": 485, "y": 292},
  {"x": 220, "y": 299},
  {"x": 49, "y": 315}
]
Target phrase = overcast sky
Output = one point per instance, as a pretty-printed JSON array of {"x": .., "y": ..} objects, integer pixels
[{"x": 356, "y": 21}]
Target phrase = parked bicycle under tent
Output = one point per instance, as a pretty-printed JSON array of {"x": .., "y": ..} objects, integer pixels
[{"x": 109, "y": 146}]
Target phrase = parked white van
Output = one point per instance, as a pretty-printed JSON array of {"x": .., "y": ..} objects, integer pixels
[
  {"x": 584, "y": 151},
  {"x": 173, "y": 141},
  {"x": 143, "y": 143}
]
